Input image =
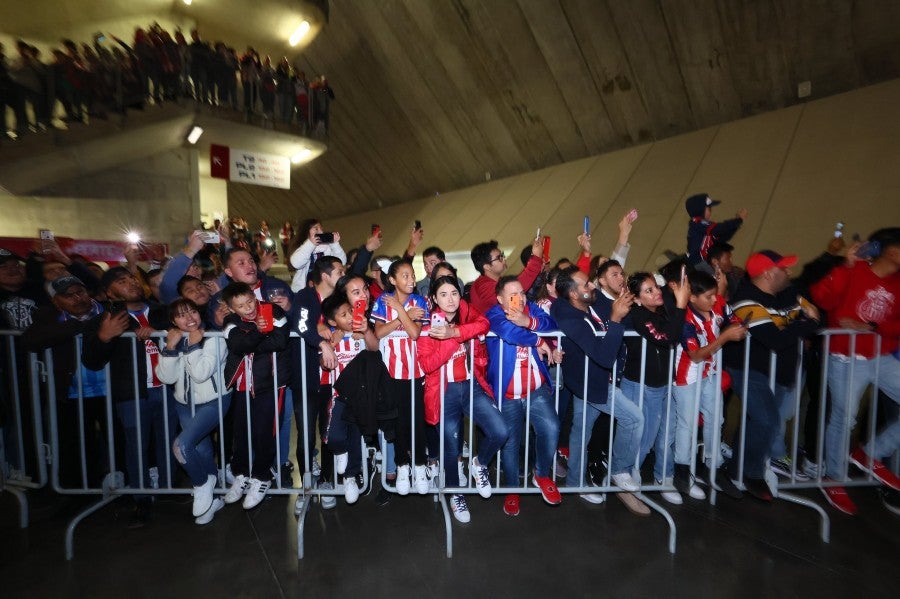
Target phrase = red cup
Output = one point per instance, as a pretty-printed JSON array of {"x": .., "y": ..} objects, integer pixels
[{"x": 264, "y": 320}]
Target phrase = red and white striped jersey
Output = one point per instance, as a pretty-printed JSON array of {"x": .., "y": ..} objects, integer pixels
[
  {"x": 151, "y": 349},
  {"x": 398, "y": 351},
  {"x": 699, "y": 332},
  {"x": 345, "y": 350},
  {"x": 526, "y": 375}
]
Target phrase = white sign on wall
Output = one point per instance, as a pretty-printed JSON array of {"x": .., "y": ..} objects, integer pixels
[{"x": 245, "y": 166}]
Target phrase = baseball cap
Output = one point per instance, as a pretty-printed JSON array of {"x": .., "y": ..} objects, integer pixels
[
  {"x": 62, "y": 285},
  {"x": 112, "y": 275},
  {"x": 697, "y": 203},
  {"x": 762, "y": 261},
  {"x": 6, "y": 256}
]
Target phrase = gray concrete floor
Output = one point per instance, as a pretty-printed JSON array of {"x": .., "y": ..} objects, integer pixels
[{"x": 737, "y": 549}]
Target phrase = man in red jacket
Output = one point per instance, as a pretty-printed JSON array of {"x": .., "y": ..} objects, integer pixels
[
  {"x": 491, "y": 263},
  {"x": 863, "y": 297}
]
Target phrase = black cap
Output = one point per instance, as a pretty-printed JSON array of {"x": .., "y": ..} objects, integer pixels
[
  {"x": 6, "y": 255},
  {"x": 62, "y": 285},
  {"x": 696, "y": 204}
]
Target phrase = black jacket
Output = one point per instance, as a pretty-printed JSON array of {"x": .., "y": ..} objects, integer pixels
[
  {"x": 245, "y": 339},
  {"x": 363, "y": 387},
  {"x": 119, "y": 352},
  {"x": 662, "y": 332}
]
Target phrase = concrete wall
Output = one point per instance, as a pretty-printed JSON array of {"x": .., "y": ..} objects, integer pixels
[
  {"x": 797, "y": 170},
  {"x": 153, "y": 197}
]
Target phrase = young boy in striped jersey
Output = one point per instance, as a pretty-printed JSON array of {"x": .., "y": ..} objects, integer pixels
[
  {"x": 349, "y": 338},
  {"x": 708, "y": 326}
]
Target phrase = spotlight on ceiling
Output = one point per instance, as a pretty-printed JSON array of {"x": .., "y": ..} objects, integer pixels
[
  {"x": 298, "y": 34},
  {"x": 188, "y": 2},
  {"x": 195, "y": 134}
]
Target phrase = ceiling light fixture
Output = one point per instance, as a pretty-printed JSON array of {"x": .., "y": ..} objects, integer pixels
[
  {"x": 300, "y": 156},
  {"x": 195, "y": 134},
  {"x": 298, "y": 34},
  {"x": 188, "y": 2}
]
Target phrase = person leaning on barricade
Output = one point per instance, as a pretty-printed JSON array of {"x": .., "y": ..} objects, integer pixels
[
  {"x": 456, "y": 331},
  {"x": 340, "y": 429},
  {"x": 517, "y": 355},
  {"x": 194, "y": 366},
  {"x": 132, "y": 364},
  {"x": 55, "y": 327},
  {"x": 651, "y": 377},
  {"x": 862, "y": 297},
  {"x": 257, "y": 336},
  {"x": 588, "y": 365},
  {"x": 778, "y": 319},
  {"x": 709, "y": 325}
]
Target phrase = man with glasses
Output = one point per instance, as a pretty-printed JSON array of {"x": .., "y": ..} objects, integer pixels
[{"x": 491, "y": 263}]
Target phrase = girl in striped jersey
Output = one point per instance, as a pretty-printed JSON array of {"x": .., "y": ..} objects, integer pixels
[
  {"x": 708, "y": 325},
  {"x": 350, "y": 337},
  {"x": 398, "y": 315},
  {"x": 445, "y": 356}
]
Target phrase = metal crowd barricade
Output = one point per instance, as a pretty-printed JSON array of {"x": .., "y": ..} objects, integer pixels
[
  {"x": 22, "y": 449},
  {"x": 40, "y": 375}
]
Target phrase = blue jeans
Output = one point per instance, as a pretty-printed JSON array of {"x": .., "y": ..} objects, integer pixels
[
  {"x": 786, "y": 401},
  {"x": 659, "y": 427},
  {"x": 844, "y": 407},
  {"x": 546, "y": 429},
  {"x": 193, "y": 448},
  {"x": 629, "y": 425},
  {"x": 152, "y": 415},
  {"x": 686, "y": 409},
  {"x": 486, "y": 416},
  {"x": 762, "y": 419},
  {"x": 344, "y": 437}
]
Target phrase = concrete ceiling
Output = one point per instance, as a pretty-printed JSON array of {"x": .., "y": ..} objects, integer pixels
[{"x": 437, "y": 95}]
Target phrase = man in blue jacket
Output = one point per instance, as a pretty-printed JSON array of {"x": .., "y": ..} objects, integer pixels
[
  {"x": 587, "y": 372},
  {"x": 520, "y": 381}
]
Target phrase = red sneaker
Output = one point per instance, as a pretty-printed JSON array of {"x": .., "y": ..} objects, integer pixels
[
  {"x": 837, "y": 497},
  {"x": 865, "y": 463},
  {"x": 511, "y": 505},
  {"x": 548, "y": 489},
  {"x": 564, "y": 452}
]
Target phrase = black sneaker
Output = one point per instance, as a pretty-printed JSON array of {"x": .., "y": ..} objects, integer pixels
[
  {"x": 725, "y": 485},
  {"x": 287, "y": 475},
  {"x": 758, "y": 488}
]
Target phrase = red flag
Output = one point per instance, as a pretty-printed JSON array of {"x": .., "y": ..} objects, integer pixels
[{"x": 219, "y": 161}]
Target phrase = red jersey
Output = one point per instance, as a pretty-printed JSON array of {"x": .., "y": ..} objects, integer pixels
[{"x": 699, "y": 332}]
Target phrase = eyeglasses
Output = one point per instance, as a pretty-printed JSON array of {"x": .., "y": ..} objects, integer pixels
[{"x": 501, "y": 256}]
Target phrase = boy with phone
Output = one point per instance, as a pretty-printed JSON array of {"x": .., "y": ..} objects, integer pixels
[
  {"x": 256, "y": 335},
  {"x": 709, "y": 325},
  {"x": 351, "y": 336}
]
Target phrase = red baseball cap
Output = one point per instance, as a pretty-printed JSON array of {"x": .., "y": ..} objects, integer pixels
[{"x": 760, "y": 262}]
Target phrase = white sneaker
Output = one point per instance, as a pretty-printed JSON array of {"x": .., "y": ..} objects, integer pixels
[
  {"x": 696, "y": 492},
  {"x": 812, "y": 469},
  {"x": 434, "y": 474},
  {"x": 203, "y": 496},
  {"x": 482, "y": 478},
  {"x": 329, "y": 502},
  {"x": 154, "y": 477},
  {"x": 207, "y": 517},
  {"x": 624, "y": 481},
  {"x": 340, "y": 462},
  {"x": 595, "y": 498},
  {"x": 256, "y": 493},
  {"x": 461, "y": 472},
  {"x": 402, "y": 482},
  {"x": 351, "y": 489},
  {"x": 422, "y": 483},
  {"x": 673, "y": 496},
  {"x": 229, "y": 475},
  {"x": 238, "y": 488},
  {"x": 460, "y": 509},
  {"x": 465, "y": 449},
  {"x": 727, "y": 451}
]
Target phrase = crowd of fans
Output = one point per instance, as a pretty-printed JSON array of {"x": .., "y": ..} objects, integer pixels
[
  {"x": 111, "y": 75},
  {"x": 374, "y": 350}
]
